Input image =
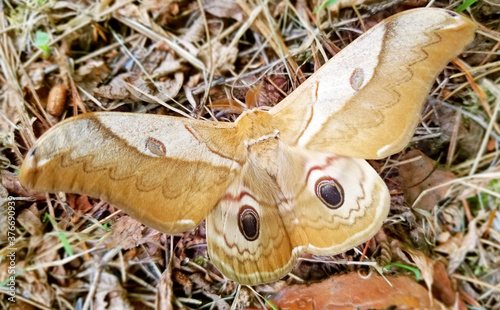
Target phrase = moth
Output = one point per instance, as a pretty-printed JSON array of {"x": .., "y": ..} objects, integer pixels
[{"x": 273, "y": 184}]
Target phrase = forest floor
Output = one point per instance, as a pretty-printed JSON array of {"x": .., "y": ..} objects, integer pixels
[{"x": 439, "y": 248}]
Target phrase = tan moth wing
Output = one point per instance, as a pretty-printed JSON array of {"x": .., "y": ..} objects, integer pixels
[
  {"x": 167, "y": 172},
  {"x": 366, "y": 101}
]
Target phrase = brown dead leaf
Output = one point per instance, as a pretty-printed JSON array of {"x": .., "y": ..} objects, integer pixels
[
  {"x": 425, "y": 265},
  {"x": 116, "y": 89},
  {"x": 218, "y": 302},
  {"x": 35, "y": 78},
  {"x": 82, "y": 204},
  {"x": 184, "y": 281},
  {"x": 91, "y": 74},
  {"x": 224, "y": 9},
  {"x": 420, "y": 175},
  {"x": 164, "y": 10},
  {"x": 436, "y": 279},
  {"x": 127, "y": 232},
  {"x": 452, "y": 217},
  {"x": 132, "y": 85},
  {"x": 468, "y": 244},
  {"x": 350, "y": 291},
  {"x": 152, "y": 238},
  {"x": 137, "y": 89},
  {"x": 442, "y": 288},
  {"x": 164, "y": 290},
  {"x": 79, "y": 203},
  {"x": 31, "y": 221},
  {"x": 196, "y": 31},
  {"x": 170, "y": 87},
  {"x": 135, "y": 12},
  {"x": 223, "y": 57},
  {"x": 169, "y": 65},
  {"x": 9, "y": 109},
  {"x": 38, "y": 289},
  {"x": 110, "y": 295},
  {"x": 451, "y": 245},
  {"x": 11, "y": 182},
  {"x": 274, "y": 91}
]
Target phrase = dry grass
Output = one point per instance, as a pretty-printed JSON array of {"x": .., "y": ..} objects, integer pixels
[{"x": 70, "y": 249}]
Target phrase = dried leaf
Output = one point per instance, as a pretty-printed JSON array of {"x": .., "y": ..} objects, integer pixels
[
  {"x": 116, "y": 89},
  {"x": 436, "y": 279},
  {"x": 224, "y": 9},
  {"x": 219, "y": 303},
  {"x": 196, "y": 31},
  {"x": 223, "y": 57},
  {"x": 350, "y": 291},
  {"x": 35, "y": 77},
  {"x": 132, "y": 85},
  {"x": 426, "y": 266},
  {"x": 442, "y": 289},
  {"x": 452, "y": 216},
  {"x": 82, "y": 204},
  {"x": 127, "y": 232},
  {"x": 164, "y": 291},
  {"x": 274, "y": 91},
  {"x": 9, "y": 109},
  {"x": 31, "y": 222},
  {"x": 37, "y": 289},
  {"x": 451, "y": 245},
  {"x": 110, "y": 295},
  {"x": 420, "y": 175},
  {"x": 47, "y": 250},
  {"x": 11, "y": 182},
  {"x": 469, "y": 243},
  {"x": 91, "y": 74},
  {"x": 169, "y": 65},
  {"x": 184, "y": 281},
  {"x": 164, "y": 10},
  {"x": 169, "y": 88}
]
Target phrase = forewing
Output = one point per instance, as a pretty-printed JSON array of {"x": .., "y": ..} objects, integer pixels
[
  {"x": 366, "y": 101},
  {"x": 167, "y": 172}
]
